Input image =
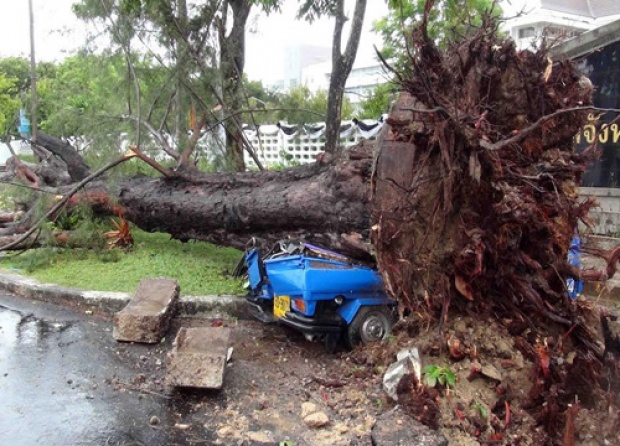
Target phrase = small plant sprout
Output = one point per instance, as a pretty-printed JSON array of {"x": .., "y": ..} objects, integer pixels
[
  {"x": 481, "y": 408},
  {"x": 434, "y": 374}
]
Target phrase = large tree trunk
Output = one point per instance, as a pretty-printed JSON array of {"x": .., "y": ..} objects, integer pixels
[{"x": 327, "y": 203}]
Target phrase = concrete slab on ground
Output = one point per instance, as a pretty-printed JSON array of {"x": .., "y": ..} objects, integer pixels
[
  {"x": 146, "y": 318},
  {"x": 198, "y": 358}
]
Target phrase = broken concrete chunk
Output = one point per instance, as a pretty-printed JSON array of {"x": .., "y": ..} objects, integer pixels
[
  {"x": 491, "y": 372},
  {"x": 308, "y": 408},
  {"x": 198, "y": 358},
  {"x": 316, "y": 420},
  {"x": 147, "y": 316},
  {"x": 396, "y": 427},
  {"x": 312, "y": 416}
]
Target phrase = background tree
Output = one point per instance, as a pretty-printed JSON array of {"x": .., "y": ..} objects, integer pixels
[
  {"x": 342, "y": 61},
  {"x": 9, "y": 104},
  {"x": 17, "y": 71},
  {"x": 17, "y": 68},
  {"x": 301, "y": 106},
  {"x": 448, "y": 20},
  {"x": 204, "y": 50},
  {"x": 378, "y": 102}
]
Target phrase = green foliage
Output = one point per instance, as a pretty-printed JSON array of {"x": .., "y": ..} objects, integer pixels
[
  {"x": 200, "y": 268},
  {"x": 86, "y": 231},
  {"x": 16, "y": 94},
  {"x": 297, "y": 106},
  {"x": 378, "y": 102},
  {"x": 449, "y": 20},
  {"x": 434, "y": 374},
  {"x": 312, "y": 10},
  {"x": 302, "y": 99},
  {"x": 13, "y": 197},
  {"x": 9, "y": 104},
  {"x": 18, "y": 69},
  {"x": 481, "y": 408}
]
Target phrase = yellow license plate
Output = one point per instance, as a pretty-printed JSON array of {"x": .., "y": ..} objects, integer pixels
[{"x": 281, "y": 305}]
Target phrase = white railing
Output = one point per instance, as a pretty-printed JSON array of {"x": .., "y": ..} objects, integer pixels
[{"x": 281, "y": 144}]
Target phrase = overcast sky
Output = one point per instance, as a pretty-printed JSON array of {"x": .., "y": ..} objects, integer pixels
[{"x": 59, "y": 33}]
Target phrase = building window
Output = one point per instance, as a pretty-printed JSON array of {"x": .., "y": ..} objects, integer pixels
[{"x": 526, "y": 32}]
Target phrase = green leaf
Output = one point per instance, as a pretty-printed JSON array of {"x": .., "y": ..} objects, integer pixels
[
  {"x": 430, "y": 381},
  {"x": 430, "y": 369},
  {"x": 483, "y": 410},
  {"x": 450, "y": 378}
]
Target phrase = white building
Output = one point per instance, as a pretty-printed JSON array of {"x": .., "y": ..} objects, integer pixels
[
  {"x": 365, "y": 75},
  {"x": 296, "y": 59},
  {"x": 559, "y": 20}
]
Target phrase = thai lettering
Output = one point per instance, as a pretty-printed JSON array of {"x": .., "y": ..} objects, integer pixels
[
  {"x": 589, "y": 130},
  {"x": 605, "y": 133},
  {"x": 615, "y": 130}
]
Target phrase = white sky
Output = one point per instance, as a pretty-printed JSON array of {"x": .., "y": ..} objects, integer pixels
[{"x": 59, "y": 33}]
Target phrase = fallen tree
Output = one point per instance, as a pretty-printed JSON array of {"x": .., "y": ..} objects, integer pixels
[
  {"x": 326, "y": 202},
  {"x": 469, "y": 198}
]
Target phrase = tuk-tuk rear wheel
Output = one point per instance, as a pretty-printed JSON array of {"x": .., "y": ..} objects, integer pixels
[{"x": 371, "y": 324}]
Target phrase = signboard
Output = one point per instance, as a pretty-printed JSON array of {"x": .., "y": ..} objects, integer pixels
[{"x": 603, "y": 68}]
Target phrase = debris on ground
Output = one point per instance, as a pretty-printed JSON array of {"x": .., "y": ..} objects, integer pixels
[
  {"x": 407, "y": 362},
  {"x": 198, "y": 358},
  {"x": 146, "y": 318}
]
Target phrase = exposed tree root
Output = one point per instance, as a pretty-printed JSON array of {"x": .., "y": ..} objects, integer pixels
[{"x": 476, "y": 202}]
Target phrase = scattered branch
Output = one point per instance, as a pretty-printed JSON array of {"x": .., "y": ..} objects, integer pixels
[{"x": 65, "y": 199}]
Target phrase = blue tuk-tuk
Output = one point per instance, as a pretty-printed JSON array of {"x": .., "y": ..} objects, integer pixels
[{"x": 323, "y": 294}]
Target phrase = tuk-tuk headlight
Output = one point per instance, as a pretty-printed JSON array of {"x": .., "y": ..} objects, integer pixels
[{"x": 339, "y": 300}]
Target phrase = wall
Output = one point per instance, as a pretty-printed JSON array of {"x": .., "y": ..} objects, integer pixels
[
  {"x": 282, "y": 145},
  {"x": 606, "y": 217}
]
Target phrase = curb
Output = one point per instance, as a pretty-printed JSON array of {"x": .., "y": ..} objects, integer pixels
[{"x": 110, "y": 302}]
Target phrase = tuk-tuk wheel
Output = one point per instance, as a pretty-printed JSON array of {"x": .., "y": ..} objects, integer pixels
[
  {"x": 331, "y": 342},
  {"x": 371, "y": 324}
]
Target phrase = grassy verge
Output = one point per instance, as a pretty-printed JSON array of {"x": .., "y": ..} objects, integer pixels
[{"x": 200, "y": 268}]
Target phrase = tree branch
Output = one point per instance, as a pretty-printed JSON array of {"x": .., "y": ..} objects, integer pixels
[
  {"x": 65, "y": 199},
  {"x": 532, "y": 128},
  {"x": 164, "y": 143}
]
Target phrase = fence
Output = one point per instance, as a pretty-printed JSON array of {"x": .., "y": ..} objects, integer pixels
[{"x": 281, "y": 144}]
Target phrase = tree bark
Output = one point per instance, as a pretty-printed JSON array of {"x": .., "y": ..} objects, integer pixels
[
  {"x": 182, "y": 100},
  {"x": 341, "y": 68},
  {"x": 326, "y": 203},
  {"x": 232, "y": 61},
  {"x": 76, "y": 167}
]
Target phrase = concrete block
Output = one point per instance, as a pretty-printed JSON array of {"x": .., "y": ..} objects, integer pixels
[
  {"x": 147, "y": 316},
  {"x": 198, "y": 358},
  {"x": 398, "y": 428}
]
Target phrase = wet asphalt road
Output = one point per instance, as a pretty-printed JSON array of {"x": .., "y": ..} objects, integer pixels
[{"x": 55, "y": 370}]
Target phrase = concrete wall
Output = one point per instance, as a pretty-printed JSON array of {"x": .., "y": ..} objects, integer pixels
[{"x": 606, "y": 217}]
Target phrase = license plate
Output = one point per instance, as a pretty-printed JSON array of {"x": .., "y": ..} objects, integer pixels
[{"x": 281, "y": 305}]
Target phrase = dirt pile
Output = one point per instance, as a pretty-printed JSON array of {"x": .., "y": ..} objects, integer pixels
[{"x": 496, "y": 395}]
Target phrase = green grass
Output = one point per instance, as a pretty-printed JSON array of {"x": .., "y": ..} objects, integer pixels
[{"x": 200, "y": 268}]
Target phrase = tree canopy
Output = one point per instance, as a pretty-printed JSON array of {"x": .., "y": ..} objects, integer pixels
[{"x": 449, "y": 20}]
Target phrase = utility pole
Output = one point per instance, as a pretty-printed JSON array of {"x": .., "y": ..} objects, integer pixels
[{"x": 33, "y": 78}]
